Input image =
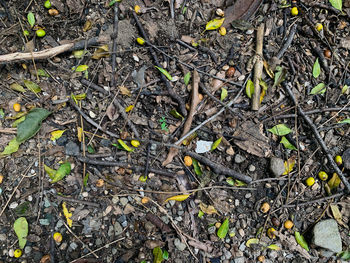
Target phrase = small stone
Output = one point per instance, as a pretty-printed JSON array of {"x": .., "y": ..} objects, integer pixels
[
  {"x": 346, "y": 159},
  {"x": 211, "y": 230},
  {"x": 241, "y": 232},
  {"x": 11, "y": 253},
  {"x": 117, "y": 228},
  {"x": 227, "y": 254},
  {"x": 230, "y": 151},
  {"x": 27, "y": 250},
  {"x": 247, "y": 196},
  {"x": 105, "y": 143},
  {"x": 272, "y": 254},
  {"x": 326, "y": 235},
  {"x": 115, "y": 199},
  {"x": 84, "y": 194},
  {"x": 3, "y": 237},
  {"x": 242, "y": 247},
  {"x": 236, "y": 202},
  {"x": 110, "y": 231},
  {"x": 179, "y": 245},
  {"x": 239, "y": 158},
  {"x": 239, "y": 260},
  {"x": 98, "y": 242},
  {"x": 63, "y": 246},
  {"x": 73, "y": 245},
  {"x": 128, "y": 209},
  {"x": 249, "y": 31},
  {"x": 72, "y": 149},
  {"x": 251, "y": 168},
  {"x": 13, "y": 205},
  {"x": 277, "y": 166},
  {"x": 124, "y": 201}
]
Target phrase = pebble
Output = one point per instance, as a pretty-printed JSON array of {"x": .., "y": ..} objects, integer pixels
[
  {"x": 179, "y": 245},
  {"x": 242, "y": 247},
  {"x": 110, "y": 231},
  {"x": 27, "y": 250},
  {"x": 227, "y": 254},
  {"x": 124, "y": 201},
  {"x": 236, "y": 202},
  {"x": 13, "y": 205},
  {"x": 239, "y": 260},
  {"x": 326, "y": 235},
  {"x": 118, "y": 229},
  {"x": 3, "y": 237},
  {"x": 63, "y": 246},
  {"x": 105, "y": 142},
  {"x": 211, "y": 230},
  {"x": 73, "y": 245},
  {"x": 277, "y": 166},
  {"x": 346, "y": 159},
  {"x": 239, "y": 158},
  {"x": 72, "y": 149},
  {"x": 241, "y": 232},
  {"x": 85, "y": 194},
  {"x": 98, "y": 242},
  {"x": 249, "y": 195},
  {"x": 249, "y": 31},
  {"x": 44, "y": 222},
  {"x": 11, "y": 253},
  {"x": 272, "y": 254},
  {"x": 115, "y": 199},
  {"x": 129, "y": 209},
  {"x": 251, "y": 168}
]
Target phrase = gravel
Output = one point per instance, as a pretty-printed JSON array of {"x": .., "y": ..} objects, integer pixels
[{"x": 277, "y": 166}]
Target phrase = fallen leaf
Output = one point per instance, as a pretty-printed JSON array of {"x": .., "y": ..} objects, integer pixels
[
  {"x": 301, "y": 241},
  {"x": 241, "y": 10},
  {"x": 21, "y": 229},
  {"x": 280, "y": 129},
  {"x": 178, "y": 198},
  {"x": 101, "y": 52},
  {"x": 214, "y": 24},
  {"x": 67, "y": 214},
  {"x": 252, "y": 241},
  {"x": 289, "y": 165},
  {"x": 223, "y": 229},
  {"x": 216, "y": 144},
  {"x": 208, "y": 209},
  {"x": 56, "y": 134},
  {"x": 124, "y": 91}
]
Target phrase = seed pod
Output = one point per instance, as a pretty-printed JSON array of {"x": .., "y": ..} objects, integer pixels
[
  {"x": 310, "y": 181},
  {"x": 230, "y": 72},
  {"x": 53, "y": 12},
  {"x": 275, "y": 221},
  {"x": 319, "y": 27},
  {"x": 219, "y": 12},
  {"x": 265, "y": 207},
  {"x": 40, "y": 33},
  {"x": 261, "y": 258},
  {"x": 137, "y": 9},
  {"x": 188, "y": 160},
  {"x": 57, "y": 237},
  {"x": 327, "y": 53},
  {"x": 140, "y": 40},
  {"x": 17, "y": 107},
  {"x": 294, "y": 11}
]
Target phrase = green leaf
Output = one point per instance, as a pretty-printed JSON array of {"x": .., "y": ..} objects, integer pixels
[
  {"x": 337, "y": 4},
  {"x": 249, "y": 88},
  {"x": 274, "y": 247},
  {"x": 263, "y": 84},
  {"x": 252, "y": 241},
  {"x": 287, "y": 144},
  {"x": 280, "y": 129},
  {"x": 157, "y": 255},
  {"x": 21, "y": 229},
  {"x": 223, "y": 94},
  {"x": 165, "y": 255},
  {"x": 279, "y": 76},
  {"x": 344, "y": 89},
  {"x": 216, "y": 144},
  {"x": 316, "y": 71},
  {"x": 31, "y": 19},
  {"x": 301, "y": 240},
  {"x": 200, "y": 213},
  {"x": 344, "y": 255},
  {"x": 85, "y": 180},
  {"x": 80, "y": 68},
  {"x": 11, "y": 147},
  {"x": 239, "y": 183},
  {"x": 2, "y": 113},
  {"x": 196, "y": 167},
  {"x": 223, "y": 229},
  {"x": 345, "y": 121},
  {"x": 125, "y": 147},
  {"x": 32, "y": 86},
  {"x": 61, "y": 172},
  {"x": 187, "y": 78},
  {"x": 32, "y": 124},
  {"x": 78, "y": 53},
  {"x": 164, "y": 72},
  {"x": 318, "y": 89},
  {"x": 51, "y": 172},
  {"x": 176, "y": 115},
  {"x": 42, "y": 73},
  {"x": 214, "y": 24},
  {"x": 17, "y": 87},
  {"x": 230, "y": 181},
  {"x": 22, "y": 209}
]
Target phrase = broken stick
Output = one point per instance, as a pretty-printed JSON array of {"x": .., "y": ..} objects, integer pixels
[{"x": 258, "y": 67}]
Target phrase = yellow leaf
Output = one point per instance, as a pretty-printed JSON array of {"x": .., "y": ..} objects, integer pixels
[
  {"x": 129, "y": 108},
  {"x": 252, "y": 241},
  {"x": 214, "y": 24},
  {"x": 56, "y": 134},
  {"x": 67, "y": 214},
  {"x": 101, "y": 52},
  {"x": 289, "y": 165},
  {"x": 80, "y": 134},
  {"x": 268, "y": 70},
  {"x": 124, "y": 91},
  {"x": 178, "y": 198},
  {"x": 336, "y": 214},
  {"x": 208, "y": 209}
]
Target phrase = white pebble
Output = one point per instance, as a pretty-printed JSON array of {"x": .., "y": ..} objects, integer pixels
[
  {"x": 13, "y": 205},
  {"x": 85, "y": 194}
]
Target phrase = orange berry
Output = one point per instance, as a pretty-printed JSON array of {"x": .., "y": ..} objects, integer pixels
[
  {"x": 57, "y": 237},
  {"x": 265, "y": 207},
  {"x": 188, "y": 160},
  {"x": 288, "y": 224},
  {"x": 17, "y": 107}
]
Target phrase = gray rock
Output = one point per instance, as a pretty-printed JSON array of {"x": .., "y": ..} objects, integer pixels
[
  {"x": 73, "y": 245},
  {"x": 27, "y": 250},
  {"x": 277, "y": 166},
  {"x": 239, "y": 260},
  {"x": 251, "y": 168},
  {"x": 72, "y": 149},
  {"x": 3, "y": 237},
  {"x": 211, "y": 230},
  {"x": 346, "y": 158},
  {"x": 179, "y": 245},
  {"x": 118, "y": 229},
  {"x": 326, "y": 235},
  {"x": 239, "y": 158}
]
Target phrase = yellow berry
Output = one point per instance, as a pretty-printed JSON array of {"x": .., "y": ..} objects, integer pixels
[
  {"x": 135, "y": 143},
  {"x": 319, "y": 27},
  {"x": 294, "y": 11},
  {"x": 188, "y": 160},
  {"x": 140, "y": 40},
  {"x": 137, "y": 9},
  {"x": 288, "y": 224},
  {"x": 261, "y": 258},
  {"x": 222, "y": 31},
  {"x": 323, "y": 176},
  {"x": 17, "y": 253},
  {"x": 271, "y": 233},
  {"x": 338, "y": 160},
  {"x": 143, "y": 178},
  {"x": 265, "y": 207},
  {"x": 17, "y": 107},
  {"x": 310, "y": 181},
  {"x": 40, "y": 33},
  {"x": 57, "y": 236}
]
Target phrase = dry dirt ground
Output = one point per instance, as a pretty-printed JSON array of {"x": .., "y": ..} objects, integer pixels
[{"x": 114, "y": 193}]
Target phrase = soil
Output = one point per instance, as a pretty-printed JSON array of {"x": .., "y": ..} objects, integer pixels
[{"x": 117, "y": 193}]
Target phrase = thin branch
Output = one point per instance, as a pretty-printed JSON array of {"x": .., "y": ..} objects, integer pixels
[
  {"x": 258, "y": 67},
  {"x": 114, "y": 37}
]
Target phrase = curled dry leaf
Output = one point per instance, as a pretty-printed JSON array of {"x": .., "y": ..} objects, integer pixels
[
  {"x": 216, "y": 83},
  {"x": 112, "y": 112}
]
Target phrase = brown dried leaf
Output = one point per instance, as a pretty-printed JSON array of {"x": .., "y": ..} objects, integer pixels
[
  {"x": 337, "y": 214},
  {"x": 112, "y": 112},
  {"x": 252, "y": 139},
  {"x": 241, "y": 9},
  {"x": 208, "y": 209},
  {"x": 216, "y": 83},
  {"x": 291, "y": 243},
  {"x": 124, "y": 90}
]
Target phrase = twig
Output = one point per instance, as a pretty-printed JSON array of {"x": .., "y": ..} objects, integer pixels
[
  {"x": 218, "y": 168},
  {"x": 155, "y": 220},
  {"x": 172, "y": 93},
  {"x": 258, "y": 67},
  {"x": 288, "y": 42},
  {"x": 69, "y": 199},
  {"x": 319, "y": 200},
  {"x": 114, "y": 37},
  {"x": 51, "y": 52},
  {"x": 318, "y": 138},
  {"x": 94, "y": 86}
]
